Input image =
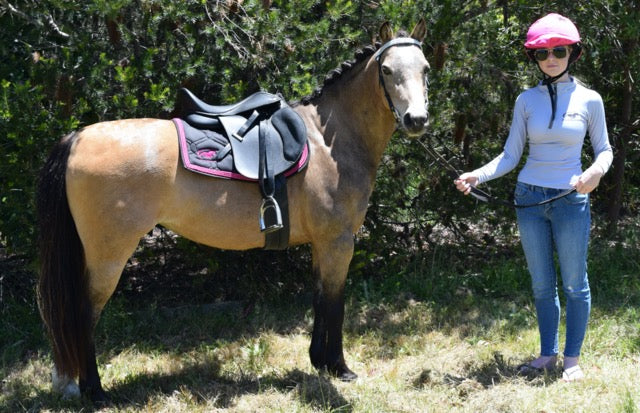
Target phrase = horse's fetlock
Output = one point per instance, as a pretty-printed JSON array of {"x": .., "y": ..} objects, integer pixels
[{"x": 318, "y": 362}]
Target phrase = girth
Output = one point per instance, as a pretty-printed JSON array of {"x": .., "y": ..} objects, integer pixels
[{"x": 265, "y": 138}]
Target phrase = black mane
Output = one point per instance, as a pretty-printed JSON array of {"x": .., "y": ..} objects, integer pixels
[{"x": 360, "y": 56}]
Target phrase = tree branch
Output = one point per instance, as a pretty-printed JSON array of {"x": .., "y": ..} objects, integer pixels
[
  {"x": 54, "y": 27},
  {"x": 13, "y": 10},
  {"x": 47, "y": 17}
]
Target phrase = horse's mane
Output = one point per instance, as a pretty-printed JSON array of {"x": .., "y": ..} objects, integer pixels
[{"x": 345, "y": 67}]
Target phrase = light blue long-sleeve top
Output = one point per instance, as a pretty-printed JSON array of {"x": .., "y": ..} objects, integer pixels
[{"x": 554, "y": 159}]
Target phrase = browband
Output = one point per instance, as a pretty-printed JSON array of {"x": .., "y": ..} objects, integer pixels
[{"x": 400, "y": 41}]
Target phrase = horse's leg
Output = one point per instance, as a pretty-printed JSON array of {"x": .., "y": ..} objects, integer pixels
[
  {"x": 96, "y": 199},
  {"x": 90, "y": 379},
  {"x": 330, "y": 266},
  {"x": 103, "y": 274},
  {"x": 106, "y": 258},
  {"x": 63, "y": 295}
]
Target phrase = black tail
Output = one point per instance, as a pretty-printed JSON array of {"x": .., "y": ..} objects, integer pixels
[{"x": 62, "y": 289}]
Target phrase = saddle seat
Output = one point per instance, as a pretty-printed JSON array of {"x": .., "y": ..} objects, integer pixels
[{"x": 190, "y": 103}]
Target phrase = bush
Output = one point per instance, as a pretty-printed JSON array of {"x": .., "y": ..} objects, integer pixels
[{"x": 75, "y": 62}]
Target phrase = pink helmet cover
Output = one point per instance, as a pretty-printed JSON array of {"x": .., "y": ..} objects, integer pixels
[{"x": 550, "y": 31}]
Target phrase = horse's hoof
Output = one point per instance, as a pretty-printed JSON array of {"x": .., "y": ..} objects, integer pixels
[
  {"x": 318, "y": 365},
  {"x": 99, "y": 398},
  {"x": 70, "y": 391},
  {"x": 64, "y": 385},
  {"x": 348, "y": 376},
  {"x": 343, "y": 373},
  {"x": 96, "y": 394}
]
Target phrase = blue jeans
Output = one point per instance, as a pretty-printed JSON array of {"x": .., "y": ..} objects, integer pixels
[{"x": 564, "y": 225}]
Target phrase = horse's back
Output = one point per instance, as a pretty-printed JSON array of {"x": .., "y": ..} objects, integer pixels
[{"x": 129, "y": 146}]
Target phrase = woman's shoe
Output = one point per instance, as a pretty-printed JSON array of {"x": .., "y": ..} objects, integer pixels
[{"x": 572, "y": 374}]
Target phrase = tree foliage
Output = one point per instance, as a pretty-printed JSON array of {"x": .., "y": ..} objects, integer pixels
[{"x": 70, "y": 63}]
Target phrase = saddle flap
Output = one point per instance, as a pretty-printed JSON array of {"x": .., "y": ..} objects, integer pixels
[
  {"x": 292, "y": 131},
  {"x": 246, "y": 153}
]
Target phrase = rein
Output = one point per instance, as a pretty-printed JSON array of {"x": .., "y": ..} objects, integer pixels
[
  {"x": 480, "y": 194},
  {"x": 401, "y": 41}
]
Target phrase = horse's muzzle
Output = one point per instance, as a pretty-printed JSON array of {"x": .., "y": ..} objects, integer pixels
[{"x": 415, "y": 124}]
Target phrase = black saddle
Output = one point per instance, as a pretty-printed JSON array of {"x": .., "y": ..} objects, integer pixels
[
  {"x": 244, "y": 123},
  {"x": 266, "y": 138},
  {"x": 190, "y": 103}
]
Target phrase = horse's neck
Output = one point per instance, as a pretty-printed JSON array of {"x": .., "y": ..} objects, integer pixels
[{"x": 360, "y": 116}]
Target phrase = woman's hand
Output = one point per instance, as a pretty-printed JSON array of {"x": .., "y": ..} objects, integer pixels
[
  {"x": 465, "y": 182},
  {"x": 589, "y": 180}
]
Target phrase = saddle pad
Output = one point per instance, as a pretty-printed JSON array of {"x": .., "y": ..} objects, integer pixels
[{"x": 209, "y": 153}]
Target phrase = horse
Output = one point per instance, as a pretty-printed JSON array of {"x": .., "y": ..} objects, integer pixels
[{"x": 105, "y": 186}]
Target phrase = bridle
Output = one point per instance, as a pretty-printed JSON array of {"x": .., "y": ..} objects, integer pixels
[
  {"x": 480, "y": 194},
  {"x": 401, "y": 41}
]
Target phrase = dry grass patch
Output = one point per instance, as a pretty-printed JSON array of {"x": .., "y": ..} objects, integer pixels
[{"x": 411, "y": 356}]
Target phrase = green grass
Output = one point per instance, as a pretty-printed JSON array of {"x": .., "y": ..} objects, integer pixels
[{"x": 443, "y": 334}]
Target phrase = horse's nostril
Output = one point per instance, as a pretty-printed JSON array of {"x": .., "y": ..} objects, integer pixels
[{"x": 415, "y": 121}]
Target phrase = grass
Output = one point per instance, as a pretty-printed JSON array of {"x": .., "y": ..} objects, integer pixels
[{"x": 437, "y": 337}]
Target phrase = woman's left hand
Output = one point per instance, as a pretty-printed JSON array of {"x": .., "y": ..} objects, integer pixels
[{"x": 589, "y": 180}]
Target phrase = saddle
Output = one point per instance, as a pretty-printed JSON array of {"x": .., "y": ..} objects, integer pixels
[{"x": 265, "y": 139}]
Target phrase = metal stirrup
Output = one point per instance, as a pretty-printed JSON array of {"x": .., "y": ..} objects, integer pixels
[{"x": 270, "y": 203}]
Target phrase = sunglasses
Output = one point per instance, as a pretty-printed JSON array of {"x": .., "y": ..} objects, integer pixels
[{"x": 560, "y": 52}]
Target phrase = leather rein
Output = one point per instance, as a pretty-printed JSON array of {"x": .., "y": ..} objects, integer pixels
[{"x": 479, "y": 193}]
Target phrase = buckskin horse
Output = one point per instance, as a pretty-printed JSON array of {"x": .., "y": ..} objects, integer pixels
[{"x": 107, "y": 185}]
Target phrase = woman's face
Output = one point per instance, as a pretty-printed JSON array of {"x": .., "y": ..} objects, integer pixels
[{"x": 553, "y": 65}]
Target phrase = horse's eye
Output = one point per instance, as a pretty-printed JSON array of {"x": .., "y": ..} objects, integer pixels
[{"x": 386, "y": 70}]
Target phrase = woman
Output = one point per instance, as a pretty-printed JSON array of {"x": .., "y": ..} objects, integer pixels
[{"x": 553, "y": 118}]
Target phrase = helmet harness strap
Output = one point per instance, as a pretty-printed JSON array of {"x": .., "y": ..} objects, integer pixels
[{"x": 549, "y": 81}]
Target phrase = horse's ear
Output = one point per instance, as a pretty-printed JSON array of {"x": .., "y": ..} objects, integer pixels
[
  {"x": 420, "y": 30},
  {"x": 386, "y": 33}
]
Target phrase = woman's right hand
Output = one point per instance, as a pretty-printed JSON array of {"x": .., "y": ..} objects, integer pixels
[{"x": 465, "y": 182}]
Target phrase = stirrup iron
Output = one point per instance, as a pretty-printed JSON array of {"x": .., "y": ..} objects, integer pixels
[{"x": 270, "y": 203}]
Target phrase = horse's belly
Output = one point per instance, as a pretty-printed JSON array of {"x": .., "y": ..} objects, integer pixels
[{"x": 215, "y": 212}]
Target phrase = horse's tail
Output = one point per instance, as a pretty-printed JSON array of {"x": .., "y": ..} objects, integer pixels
[{"x": 63, "y": 295}]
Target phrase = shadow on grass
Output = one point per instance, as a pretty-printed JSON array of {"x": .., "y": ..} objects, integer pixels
[
  {"x": 484, "y": 376},
  {"x": 194, "y": 386},
  {"x": 133, "y": 318},
  {"x": 183, "y": 329},
  {"x": 202, "y": 383},
  {"x": 498, "y": 370}
]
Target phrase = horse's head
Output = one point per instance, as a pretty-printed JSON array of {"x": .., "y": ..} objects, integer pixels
[{"x": 402, "y": 69}]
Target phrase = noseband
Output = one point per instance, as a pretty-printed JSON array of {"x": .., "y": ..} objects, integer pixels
[{"x": 401, "y": 41}]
